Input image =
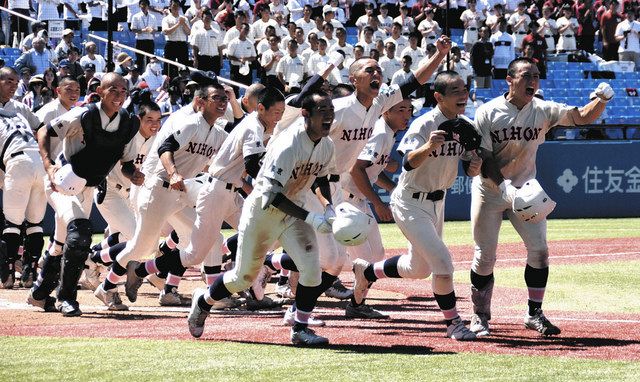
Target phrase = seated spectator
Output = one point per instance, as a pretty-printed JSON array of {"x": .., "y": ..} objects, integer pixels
[
  {"x": 33, "y": 98},
  {"x": 306, "y": 23},
  {"x": 367, "y": 43},
  {"x": 65, "y": 44},
  {"x": 91, "y": 57},
  {"x": 50, "y": 79},
  {"x": 407, "y": 22},
  {"x": 318, "y": 61},
  {"x": 86, "y": 77},
  {"x": 133, "y": 77},
  {"x": 37, "y": 58},
  {"x": 75, "y": 69},
  {"x": 327, "y": 30},
  {"x": 23, "y": 84},
  {"x": 123, "y": 63},
  {"x": 27, "y": 41},
  {"x": 329, "y": 17},
  {"x": 154, "y": 78},
  {"x": 312, "y": 49}
]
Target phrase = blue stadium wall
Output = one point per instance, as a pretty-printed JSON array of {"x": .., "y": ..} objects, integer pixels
[{"x": 587, "y": 179}]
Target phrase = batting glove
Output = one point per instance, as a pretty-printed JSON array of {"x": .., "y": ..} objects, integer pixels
[
  {"x": 329, "y": 213},
  {"x": 604, "y": 92},
  {"x": 508, "y": 191},
  {"x": 318, "y": 222},
  {"x": 335, "y": 58}
]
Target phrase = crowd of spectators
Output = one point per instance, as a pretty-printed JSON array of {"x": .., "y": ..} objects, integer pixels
[{"x": 281, "y": 43}]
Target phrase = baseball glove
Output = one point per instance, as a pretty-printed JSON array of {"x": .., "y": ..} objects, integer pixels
[{"x": 461, "y": 131}]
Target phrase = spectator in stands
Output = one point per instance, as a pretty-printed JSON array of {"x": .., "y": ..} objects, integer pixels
[
  {"x": 472, "y": 20},
  {"x": 194, "y": 13},
  {"x": 374, "y": 54},
  {"x": 65, "y": 44},
  {"x": 306, "y": 23},
  {"x": 225, "y": 17},
  {"x": 234, "y": 32},
  {"x": 627, "y": 36},
  {"x": 37, "y": 58},
  {"x": 63, "y": 68},
  {"x": 26, "y": 42},
  {"x": 608, "y": 23},
  {"x": 567, "y": 29},
  {"x": 290, "y": 69},
  {"x": 347, "y": 49},
  {"x": 263, "y": 22},
  {"x": 278, "y": 6},
  {"x": 340, "y": 13},
  {"x": 269, "y": 62},
  {"x": 176, "y": 30},
  {"x": 429, "y": 28},
  {"x": 123, "y": 63},
  {"x": 92, "y": 57},
  {"x": 23, "y": 84},
  {"x": 70, "y": 14},
  {"x": 385, "y": 22},
  {"x": 481, "y": 59},
  {"x": 84, "y": 79},
  {"x": 329, "y": 17},
  {"x": 205, "y": 44},
  {"x": 154, "y": 78},
  {"x": 416, "y": 53},
  {"x": 519, "y": 22},
  {"x": 312, "y": 49},
  {"x": 399, "y": 41},
  {"x": 300, "y": 39},
  {"x": 367, "y": 42},
  {"x": 327, "y": 30},
  {"x": 503, "y": 50},
  {"x": 389, "y": 63},
  {"x": 241, "y": 55},
  {"x": 318, "y": 61},
  {"x": 547, "y": 27},
  {"x": 50, "y": 78},
  {"x": 75, "y": 69},
  {"x": 407, "y": 22},
  {"x": 538, "y": 45},
  {"x": 494, "y": 16},
  {"x": 133, "y": 78},
  {"x": 144, "y": 24},
  {"x": 48, "y": 10},
  {"x": 587, "y": 29},
  {"x": 263, "y": 45},
  {"x": 362, "y": 18},
  {"x": 33, "y": 97},
  {"x": 402, "y": 75},
  {"x": 18, "y": 24},
  {"x": 460, "y": 66},
  {"x": 296, "y": 9}
]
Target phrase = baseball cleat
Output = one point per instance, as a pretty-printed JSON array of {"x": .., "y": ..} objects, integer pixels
[
  {"x": 284, "y": 291},
  {"x": 264, "y": 304},
  {"x": 479, "y": 325},
  {"x": 459, "y": 332},
  {"x": 197, "y": 316},
  {"x": 361, "y": 285},
  {"x": 307, "y": 337},
  {"x": 156, "y": 281},
  {"x": 173, "y": 298},
  {"x": 48, "y": 304},
  {"x": 134, "y": 282},
  {"x": 90, "y": 278},
  {"x": 70, "y": 309},
  {"x": 289, "y": 319},
  {"x": 260, "y": 283},
  {"x": 26, "y": 279},
  {"x": 7, "y": 283},
  {"x": 363, "y": 311},
  {"x": 338, "y": 291},
  {"x": 539, "y": 323},
  {"x": 226, "y": 303},
  {"x": 110, "y": 298}
]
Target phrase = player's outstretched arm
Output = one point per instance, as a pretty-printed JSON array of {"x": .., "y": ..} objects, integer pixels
[{"x": 591, "y": 111}]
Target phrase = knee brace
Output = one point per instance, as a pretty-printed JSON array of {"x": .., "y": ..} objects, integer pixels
[
  {"x": 79, "y": 233},
  {"x": 34, "y": 241},
  {"x": 11, "y": 236}
]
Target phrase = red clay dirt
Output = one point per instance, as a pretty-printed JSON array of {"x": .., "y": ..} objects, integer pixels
[{"x": 415, "y": 326}]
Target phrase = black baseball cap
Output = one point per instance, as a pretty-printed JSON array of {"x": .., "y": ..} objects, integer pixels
[{"x": 204, "y": 78}]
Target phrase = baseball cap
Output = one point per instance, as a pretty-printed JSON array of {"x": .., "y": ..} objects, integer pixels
[
  {"x": 36, "y": 79},
  {"x": 90, "y": 66},
  {"x": 122, "y": 58},
  {"x": 67, "y": 31},
  {"x": 67, "y": 182},
  {"x": 327, "y": 8},
  {"x": 204, "y": 78},
  {"x": 64, "y": 63}
]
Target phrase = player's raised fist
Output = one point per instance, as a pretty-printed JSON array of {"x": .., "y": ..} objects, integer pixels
[
  {"x": 443, "y": 44},
  {"x": 604, "y": 92}
]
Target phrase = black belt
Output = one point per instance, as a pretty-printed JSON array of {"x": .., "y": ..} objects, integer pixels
[
  {"x": 352, "y": 196},
  {"x": 472, "y": 29},
  {"x": 228, "y": 186},
  {"x": 521, "y": 32},
  {"x": 120, "y": 187},
  {"x": 6, "y": 146},
  {"x": 333, "y": 178},
  {"x": 433, "y": 196},
  {"x": 166, "y": 184},
  {"x": 13, "y": 155},
  {"x": 547, "y": 36},
  {"x": 568, "y": 35}
]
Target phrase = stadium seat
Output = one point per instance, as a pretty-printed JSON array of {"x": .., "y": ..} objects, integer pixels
[{"x": 11, "y": 52}]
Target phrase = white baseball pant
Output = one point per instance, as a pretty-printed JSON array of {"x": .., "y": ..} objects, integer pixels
[{"x": 23, "y": 197}]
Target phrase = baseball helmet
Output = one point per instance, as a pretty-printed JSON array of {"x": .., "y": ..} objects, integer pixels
[
  {"x": 461, "y": 131},
  {"x": 67, "y": 182},
  {"x": 531, "y": 203},
  {"x": 351, "y": 226}
]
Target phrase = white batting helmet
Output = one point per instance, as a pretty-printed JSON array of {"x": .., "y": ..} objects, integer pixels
[
  {"x": 67, "y": 182},
  {"x": 351, "y": 225},
  {"x": 531, "y": 203}
]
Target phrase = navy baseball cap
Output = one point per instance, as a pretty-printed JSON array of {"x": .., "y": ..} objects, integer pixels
[
  {"x": 204, "y": 78},
  {"x": 90, "y": 66},
  {"x": 64, "y": 63}
]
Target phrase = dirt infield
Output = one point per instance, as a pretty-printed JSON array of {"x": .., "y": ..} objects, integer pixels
[{"x": 415, "y": 326}]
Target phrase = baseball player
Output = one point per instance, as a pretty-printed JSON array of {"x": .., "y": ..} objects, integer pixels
[
  {"x": 183, "y": 150},
  {"x": 512, "y": 127},
  {"x": 356, "y": 116},
  {"x": 299, "y": 156},
  {"x": 23, "y": 198},
  {"x": 218, "y": 201},
  {"x": 430, "y": 166},
  {"x": 358, "y": 190},
  {"x": 94, "y": 139},
  {"x": 112, "y": 197}
]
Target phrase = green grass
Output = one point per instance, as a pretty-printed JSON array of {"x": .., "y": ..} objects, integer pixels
[{"x": 59, "y": 359}]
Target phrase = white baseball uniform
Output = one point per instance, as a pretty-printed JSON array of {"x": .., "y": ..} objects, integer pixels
[
  {"x": 218, "y": 200},
  {"x": 156, "y": 202},
  {"x": 294, "y": 161},
  {"x": 377, "y": 151},
  {"x": 117, "y": 208},
  {"x": 417, "y": 202},
  {"x": 513, "y": 136}
]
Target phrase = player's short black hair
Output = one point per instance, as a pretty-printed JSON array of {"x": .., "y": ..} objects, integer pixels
[
  {"x": 147, "y": 107},
  {"x": 66, "y": 79},
  {"x": 342, "y": 90},
  {"x": 269, "y": 96},
  {"x": 309, "y": 102},
  {"x": 203, "y": 91},
  {"x": 511, "y": 70},
  {"x": 443, "y": 79}
]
